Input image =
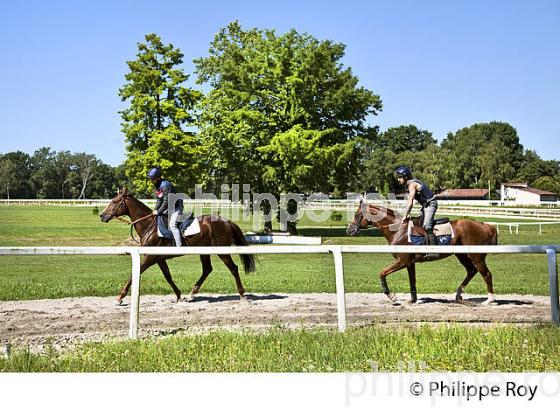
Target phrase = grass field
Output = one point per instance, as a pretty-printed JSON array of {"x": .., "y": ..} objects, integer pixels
[
  {"x": 426, "y": 348},
  {"x": 430, "y": 348},
  {"x": 40, "y": 277}
]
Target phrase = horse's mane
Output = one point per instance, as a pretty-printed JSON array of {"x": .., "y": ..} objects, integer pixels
[
  {"x": 389, "y": 211},
  {"x": 139, "y": 203}
]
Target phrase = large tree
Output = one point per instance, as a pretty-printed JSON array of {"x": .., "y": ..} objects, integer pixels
[
  {"x": 15, "y": 175},
  {"x": 482, "y": 154},
  {"x": 404, "y": 138},
  {"x": 283, "y": 113},
  {"x": 158, "y": 121}
]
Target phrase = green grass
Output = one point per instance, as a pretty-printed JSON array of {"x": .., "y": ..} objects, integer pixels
[
  {"x": 38, "y": 277},
  {"x": 429, "y": 348},
  {"x": 442, "y": 348}
]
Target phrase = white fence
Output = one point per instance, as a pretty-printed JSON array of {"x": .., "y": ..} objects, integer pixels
[
  {"x": 335, "y": 250},
  {"x": 515, "y": 225}
]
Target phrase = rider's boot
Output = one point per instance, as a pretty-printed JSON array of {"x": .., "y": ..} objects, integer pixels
[{"x": 432, "y": 240}]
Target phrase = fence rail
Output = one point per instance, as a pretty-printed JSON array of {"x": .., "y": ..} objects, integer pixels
[{"x": 335, "y": 250}]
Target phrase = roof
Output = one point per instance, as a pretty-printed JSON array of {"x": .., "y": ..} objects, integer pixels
[
  {"x": 466, "y": 193},
  {"x": 515, "y": 184},
  {"x": 536, "y": 191}
]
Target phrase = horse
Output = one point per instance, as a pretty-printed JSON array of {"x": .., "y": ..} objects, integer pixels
[
  {"x": 395, "y": 231},
  {"x": 214, "y": 231}
]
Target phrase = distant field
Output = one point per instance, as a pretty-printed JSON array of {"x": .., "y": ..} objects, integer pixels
[{"x": 61, "y": 276}]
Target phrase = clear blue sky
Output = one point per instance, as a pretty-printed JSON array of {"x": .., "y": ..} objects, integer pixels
[{"x": 441, "y": 65}]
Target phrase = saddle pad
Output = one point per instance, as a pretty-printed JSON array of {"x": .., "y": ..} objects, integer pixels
[
  {"x": 444, "y": 229},
  {"x": 193, "y": 228},
  {"x": 439, "y": 230}
]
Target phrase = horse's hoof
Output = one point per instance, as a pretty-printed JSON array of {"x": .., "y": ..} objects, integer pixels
[
  {"x": 119, "y": 302},
  {"x": 392, "y": 297},
  {"x": 489, "y": 302},
  {"x": 411, "y": 301},
  {"x": 189, "y": 298}
]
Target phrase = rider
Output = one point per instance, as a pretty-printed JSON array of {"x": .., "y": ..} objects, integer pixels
[
  {"x": 418, "y": 190},
  {"x": 163, "y": 189}
]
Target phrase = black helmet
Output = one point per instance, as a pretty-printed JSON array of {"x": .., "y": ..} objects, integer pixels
[
  {"x": 404, "y": 172},
  {"x": 154, "y": 173}
]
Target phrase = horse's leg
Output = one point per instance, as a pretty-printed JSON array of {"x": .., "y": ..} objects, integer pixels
[
  {"x": 228, "y": 261},
  {"x": 395, "y": 266},
  {"x": 206, "y": 270},
  {"x": 148, "y": 261},
  {"x": 471, "y": 271},
  {"x": 167, "y": 275},
  {"x": 479, "y": 261},
  {"x": 412, "y": 279}
]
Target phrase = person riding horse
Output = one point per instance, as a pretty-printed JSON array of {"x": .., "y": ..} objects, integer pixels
[
  {"x": 163, "y": 189},
  {"x": 417, "y": 190}
]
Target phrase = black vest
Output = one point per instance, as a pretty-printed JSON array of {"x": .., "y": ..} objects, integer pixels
[{"x": 424, "y": 195}]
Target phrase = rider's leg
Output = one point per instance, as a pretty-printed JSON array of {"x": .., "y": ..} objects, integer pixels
[
  {"x": 173, "y": 227},
  {"x": 429, "y": 212}
]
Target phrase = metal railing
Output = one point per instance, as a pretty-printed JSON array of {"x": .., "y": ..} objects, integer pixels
[{"x": 335, "y": 250}]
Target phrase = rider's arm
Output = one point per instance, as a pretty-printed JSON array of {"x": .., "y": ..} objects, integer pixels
[
  {"x": 164, "y": 199},
  {"x": 411, "y": 194}
]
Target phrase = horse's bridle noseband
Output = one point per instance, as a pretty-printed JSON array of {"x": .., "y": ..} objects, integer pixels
[{"x": 132, "y": 223}]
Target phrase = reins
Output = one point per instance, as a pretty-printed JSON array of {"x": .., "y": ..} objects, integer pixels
[{"x": 132, "y": 223}]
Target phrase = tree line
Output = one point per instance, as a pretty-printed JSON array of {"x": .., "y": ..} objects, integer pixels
[
  {"x": 60, "y": 175},
  {"x": 279, "y": 112}
]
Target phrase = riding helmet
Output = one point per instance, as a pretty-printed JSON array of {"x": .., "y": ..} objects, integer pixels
[
  {"x": 404, "y": 172},
  {"x": 154, "y": 173}
]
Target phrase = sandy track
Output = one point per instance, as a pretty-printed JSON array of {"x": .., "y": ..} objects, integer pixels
[{"x": 63, "y": 322}]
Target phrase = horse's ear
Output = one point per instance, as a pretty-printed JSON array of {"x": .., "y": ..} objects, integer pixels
[
  {"x": 118, "y": 191},
  {"x": 124, "y": 191}
]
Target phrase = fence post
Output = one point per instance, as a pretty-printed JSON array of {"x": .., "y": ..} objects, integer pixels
[
  {"x": 340, "y": 294},
  {"x": 553, "y": 285},
  {"x": 134, "y": 294}
]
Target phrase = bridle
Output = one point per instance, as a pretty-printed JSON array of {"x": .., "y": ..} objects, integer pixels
[
  {"x": 356, "y": 226},
  {"x": 113, "y": 215}
]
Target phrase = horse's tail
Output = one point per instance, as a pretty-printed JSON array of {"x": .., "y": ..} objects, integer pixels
[{"x": 239, "y": 239}]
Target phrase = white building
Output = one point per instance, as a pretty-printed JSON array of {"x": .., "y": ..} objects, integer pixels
[{"x": 523, "y": 194}]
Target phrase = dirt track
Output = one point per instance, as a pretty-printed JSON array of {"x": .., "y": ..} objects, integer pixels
[{"x": 64, "y": 322}]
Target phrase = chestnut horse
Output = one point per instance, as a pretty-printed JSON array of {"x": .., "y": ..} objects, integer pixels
[
  {"x": 214, "y": 231},
  {"x": 395, "y": 230}
]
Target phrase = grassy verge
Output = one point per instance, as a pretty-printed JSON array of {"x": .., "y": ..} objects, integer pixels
[{"x": 443, "y": 348}]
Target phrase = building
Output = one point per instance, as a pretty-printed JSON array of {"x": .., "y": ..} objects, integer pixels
[
  {"x": 463, "y": 194},
  {"x": 522, "y": 194}
]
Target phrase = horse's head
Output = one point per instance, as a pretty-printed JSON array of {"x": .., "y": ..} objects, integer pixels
[
  {"x": 117, "y": 207},
  {"x": 359, "y": 221},
  {"x": 368, "y": 214}
]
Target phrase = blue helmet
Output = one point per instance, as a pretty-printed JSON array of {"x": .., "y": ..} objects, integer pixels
[
  {"x": 404, "y": 172},
  {"x": 154, "y": 173}
]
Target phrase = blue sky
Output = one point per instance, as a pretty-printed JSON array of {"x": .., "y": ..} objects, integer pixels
[{"x": 441, "y": 65}]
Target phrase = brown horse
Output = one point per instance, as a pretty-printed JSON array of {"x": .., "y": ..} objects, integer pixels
[
  {"x": 395, "y": 230},
  {"x": 214, "y": 231}
]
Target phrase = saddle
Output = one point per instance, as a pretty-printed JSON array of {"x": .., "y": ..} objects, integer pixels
[
  {"x": 442, "y": 230},
  {"x": 188, "y": 227}
]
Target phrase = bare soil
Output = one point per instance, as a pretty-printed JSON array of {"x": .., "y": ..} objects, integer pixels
[{"x": 69, "y": 321}]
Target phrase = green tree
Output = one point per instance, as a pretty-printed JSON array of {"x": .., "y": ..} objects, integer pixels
[
  {"x": 404, "y": 138},
  {"x": 158, "y": 122},
  {"x": 15, "y": 174},
  {"x": 534, "y": 167},
  {"x": 279, "y": 109},
  {"x": 483, "y": 153},
  {"x": 547, "y": 183},
  {"x": 379, "y": 172}
]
